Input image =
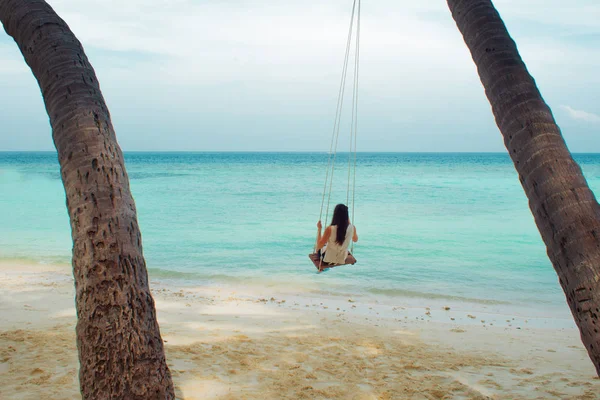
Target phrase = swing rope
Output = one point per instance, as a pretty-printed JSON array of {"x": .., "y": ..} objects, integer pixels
[
  {"x": 337, "y": 123},
  {"x": 355, "y": 119}
]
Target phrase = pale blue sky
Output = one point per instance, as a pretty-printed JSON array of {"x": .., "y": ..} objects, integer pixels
[{"x": 260, "y": 75}]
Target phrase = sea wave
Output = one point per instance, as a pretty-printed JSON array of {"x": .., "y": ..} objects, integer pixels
[{"x": 435, "y": 296}]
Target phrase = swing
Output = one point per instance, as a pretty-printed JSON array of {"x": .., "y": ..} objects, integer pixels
[
  {"x": 321, "y": 265},
  {"x": 315, "y": 256}
]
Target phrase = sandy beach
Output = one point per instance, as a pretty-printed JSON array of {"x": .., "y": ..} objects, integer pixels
[{"x": 236, "y": 343}]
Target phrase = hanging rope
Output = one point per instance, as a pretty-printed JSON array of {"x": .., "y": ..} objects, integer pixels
[
  {"x": 337, "y": 123},
  {"x": 354, "y": 125},
  {"x": 336, "y": 126},
  {"x": 355, "y": 118}
]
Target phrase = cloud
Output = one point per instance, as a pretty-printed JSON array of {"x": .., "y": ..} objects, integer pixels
[
  {"x": 581, "y": 115},
  {"x": 11, "y": 60},
  {"x": 219, "y": 67},
  {"x": 209, "y": 42},
  {"x": 265, "y": 57},
  {"x": 581, "y": 15},
  {"x": 405, "y": 44}
]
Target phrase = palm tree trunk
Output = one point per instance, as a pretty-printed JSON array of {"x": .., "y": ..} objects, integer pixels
[
  {"x": 565, "y": 209},
  {"x": 121, "y": 352}
]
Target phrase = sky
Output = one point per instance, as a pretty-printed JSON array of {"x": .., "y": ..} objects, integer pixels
[{"x": 258, "y": 75}]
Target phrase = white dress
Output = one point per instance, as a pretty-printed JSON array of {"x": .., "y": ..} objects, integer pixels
[{"x": 334, "y": 252}]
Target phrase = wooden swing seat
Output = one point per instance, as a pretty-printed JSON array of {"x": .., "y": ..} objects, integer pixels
[{"x": 321, "y": 265}]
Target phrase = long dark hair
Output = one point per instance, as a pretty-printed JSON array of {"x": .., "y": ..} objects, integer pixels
[{"x": 340, "y": 219}]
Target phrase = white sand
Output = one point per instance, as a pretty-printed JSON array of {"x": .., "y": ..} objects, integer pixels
[{"x": 237, "y": 344}]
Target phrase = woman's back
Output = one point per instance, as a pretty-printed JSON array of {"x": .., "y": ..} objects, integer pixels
[{"x": 336, "y": 253}]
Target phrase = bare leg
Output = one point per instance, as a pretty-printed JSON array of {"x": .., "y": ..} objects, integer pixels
[{"x": 350, "y": 259}]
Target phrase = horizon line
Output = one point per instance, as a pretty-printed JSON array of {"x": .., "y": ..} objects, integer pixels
[{"x": 288, "y": 152}]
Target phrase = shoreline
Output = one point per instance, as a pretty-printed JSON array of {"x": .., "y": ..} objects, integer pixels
[
  {"x": 442, "y": 308},
  {"x": 223, "y": 343}
]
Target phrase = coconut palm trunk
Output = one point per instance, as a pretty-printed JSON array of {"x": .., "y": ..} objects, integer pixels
[
  {"x": 121, "y": 352},
  {"x": 564, "y": 208}
]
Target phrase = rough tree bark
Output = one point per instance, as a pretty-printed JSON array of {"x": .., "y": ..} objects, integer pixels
[
  {"x": 565, "y": 209},
  {"x": 121, "y": 352}
]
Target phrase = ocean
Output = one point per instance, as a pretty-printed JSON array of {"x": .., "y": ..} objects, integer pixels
[{"x": 434, "y": 228}]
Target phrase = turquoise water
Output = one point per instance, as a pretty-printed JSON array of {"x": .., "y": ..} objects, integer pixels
[{"x": 431, "y": 226}]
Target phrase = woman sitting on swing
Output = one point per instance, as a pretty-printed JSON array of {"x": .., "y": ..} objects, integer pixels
[{"x": 336, "y": 237}]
